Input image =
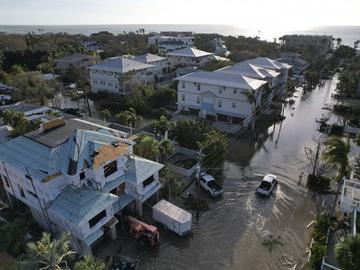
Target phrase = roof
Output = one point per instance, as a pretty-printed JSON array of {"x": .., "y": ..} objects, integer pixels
[
  {"x": 189, "y": 52},
  {"x": 27, "y": 108},
  {"x": 120, "y": 64},
  {"x": 172, "y": 42},
  {"x": 173, "y": 211},
  {"x": 140, "y": 169},
  {"x": 249, "y": 70},
  {"x": 148, "y": 58},
  {"x": 268, "y": 63},
  {"x": 223, "y": 79},
  {"x": 78, "y": 205},
  {"x": 45, "y": 156},
  {"x": 269, "y": 178}
]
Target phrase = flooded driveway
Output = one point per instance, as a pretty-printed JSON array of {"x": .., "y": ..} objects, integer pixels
[{"x": 230, "y": 235}]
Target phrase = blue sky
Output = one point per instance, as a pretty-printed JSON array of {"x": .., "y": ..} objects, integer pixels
[{"x": 244, "y": 13}]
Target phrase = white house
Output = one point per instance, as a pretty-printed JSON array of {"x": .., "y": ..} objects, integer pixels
[
  {"x": 220, "y": 96},
  {"x": 255, "y": 72},
  {"x": 161, "y": 66},
  {"x": 189, "y": 57},
  {"x": 270, "y": 64},
  {"x": 111, "y": 75},
  {"x": 167, "y": 43},
  {"x": 75, "y": 176}
]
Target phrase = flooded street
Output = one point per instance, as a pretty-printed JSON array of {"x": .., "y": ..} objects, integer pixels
[{"x": 230, "y": 235}]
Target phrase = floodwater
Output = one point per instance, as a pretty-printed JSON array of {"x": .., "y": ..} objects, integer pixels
[{"x": 230, "y": 235}]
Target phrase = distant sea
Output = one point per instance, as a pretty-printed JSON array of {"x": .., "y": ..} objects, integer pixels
[{"x": 349, "y": 34}]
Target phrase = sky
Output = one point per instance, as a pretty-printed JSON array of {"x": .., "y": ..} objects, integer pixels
[{"x": 243, "y": 13}]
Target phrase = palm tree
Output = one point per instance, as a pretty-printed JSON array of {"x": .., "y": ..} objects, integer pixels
[
  {"x": 165, "y": 148},
  {"x": 162, "y": 126},
  {"x": 348, "y": 253},
  {"x": 336, "y": 153},
  {"x": 251, "y": 97},
  {"x": 127, "y": 117},
  {"x": 105, "y": 114},
  {"x": 89, "y": 263},
  {"x": 147, "y": 147},
  {"x": 356, "y": 44},
  {"x": 47, "y": 254}
]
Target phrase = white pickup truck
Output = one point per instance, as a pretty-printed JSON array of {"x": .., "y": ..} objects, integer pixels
[{"x": 208, "y": 183}]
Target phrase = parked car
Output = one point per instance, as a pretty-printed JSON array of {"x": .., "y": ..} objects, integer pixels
[
  {"x": 267, "y": 185},
  {"x": 208, "y": 183}
]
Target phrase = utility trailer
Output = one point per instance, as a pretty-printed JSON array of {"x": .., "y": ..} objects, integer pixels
[{"x": 173, "y": 217}]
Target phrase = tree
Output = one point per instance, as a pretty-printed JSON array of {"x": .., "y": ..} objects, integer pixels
[
  {"x": 165, "y": 149},
  {"x": 127, "y": 117},
  {"x": 18, "y": 122},
  {"x": 213, "y": 147},
  {"x": 29, "y": 86},
  {"x": 49, "y": 254},
  {"x": 348, "y": 252},
  {"x": 89, "y": 263},
  {"x": 12, "y": 235},
  {"x": 147, "y": 147},
  {"x": 338, "y": 42},
  {"x": 172, "y": 184},
  {"x": 164, "y": 96},
  {"x": 162, "y": 126},
  {"x": 336, "y": 153},
  {"x": 105, "y": 114},
  {"x": 251, "y": 97},
  {"x": 356, "y": 44}
]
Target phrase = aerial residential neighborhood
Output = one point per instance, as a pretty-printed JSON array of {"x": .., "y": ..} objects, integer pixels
[{"x": 200, "y": 139}]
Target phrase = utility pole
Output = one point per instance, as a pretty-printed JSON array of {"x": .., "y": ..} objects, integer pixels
[{"x": 316, "y": 157}]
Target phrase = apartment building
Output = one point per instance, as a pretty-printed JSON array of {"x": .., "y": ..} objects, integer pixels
[
  {"x": 219, "y": 96},
  {"x": 75, "y": 176},
  {"x": 189, "y": 57},
  {"x": 168, "y": 43},
  {"x": 321, "y": 44},
  {"x": 77, "y": 61},
  {"x": 223, "y": 95},
  {"x": 161, "y": 66},
  {"x": 117, "y": 73}
]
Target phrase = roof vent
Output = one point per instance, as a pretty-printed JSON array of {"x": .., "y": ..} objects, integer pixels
[{"x": 53, "y": 124}]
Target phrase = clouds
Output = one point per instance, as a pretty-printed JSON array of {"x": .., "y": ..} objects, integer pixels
[{"x": 245, "y": 13}]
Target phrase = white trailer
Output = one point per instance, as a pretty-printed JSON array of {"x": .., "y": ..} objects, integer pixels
[{"x": 173, "y": 217}]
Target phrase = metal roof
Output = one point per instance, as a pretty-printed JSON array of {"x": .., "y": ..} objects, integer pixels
[
  {"x": 223, "y": 79},
  {"x": 120, "y": 64},
  {"x": 77, "y": 205},
  {"x": 268, "y": 63},
  {"x": 189, "y": 52},
  {"x": 148, "y": 58},
  {"x": 139, "y": 169}
]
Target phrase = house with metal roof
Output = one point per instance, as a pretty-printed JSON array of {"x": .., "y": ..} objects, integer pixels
[
  {"x": 76, "y": 176},
  {"x": 161, "y": 66},
  {"x": 116, "y": 73},
  {"x": 219, "y": 96},
  {"x": 189, "y": 56},
  {"x": 223, "y": 94}
]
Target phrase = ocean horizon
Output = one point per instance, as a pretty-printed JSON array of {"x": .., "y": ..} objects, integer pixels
[{"x": 348, "y": 34}]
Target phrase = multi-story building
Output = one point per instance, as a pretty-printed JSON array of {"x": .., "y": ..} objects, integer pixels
[
  {"x": 321, "y": 44},
  {"x": 219, "y": 96},
  {"x": 75, "y": 176},
  {"x": 189, "y": 57},
  {"x": 161, "y": 66},
  {"x": 298, "y": 65},
  {"x": 76, "y": 61},
  {"x": 223, "y": 95},
  {"x": 117, "y": 73},
  {"x": 168, "y": 43}
]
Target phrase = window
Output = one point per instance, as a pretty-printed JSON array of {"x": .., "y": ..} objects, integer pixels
[
  {"x": 198, "y": 100},
  {"x": 198, "y": 87},
  {"x": 219, "y": 104},
  {"x": 97, "y": 218},
  {"x": 183, "y": 97},
  {"x": 110, "y": 168},
  {"x": 234, "y": 105},
  {"x": 182, "y": 84},
  {"x": 148, "y": 181},
  {"x": 82, "y": 175},
  {"x": 22, "y": 193},
  {"x": 235, "y": 90}
]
